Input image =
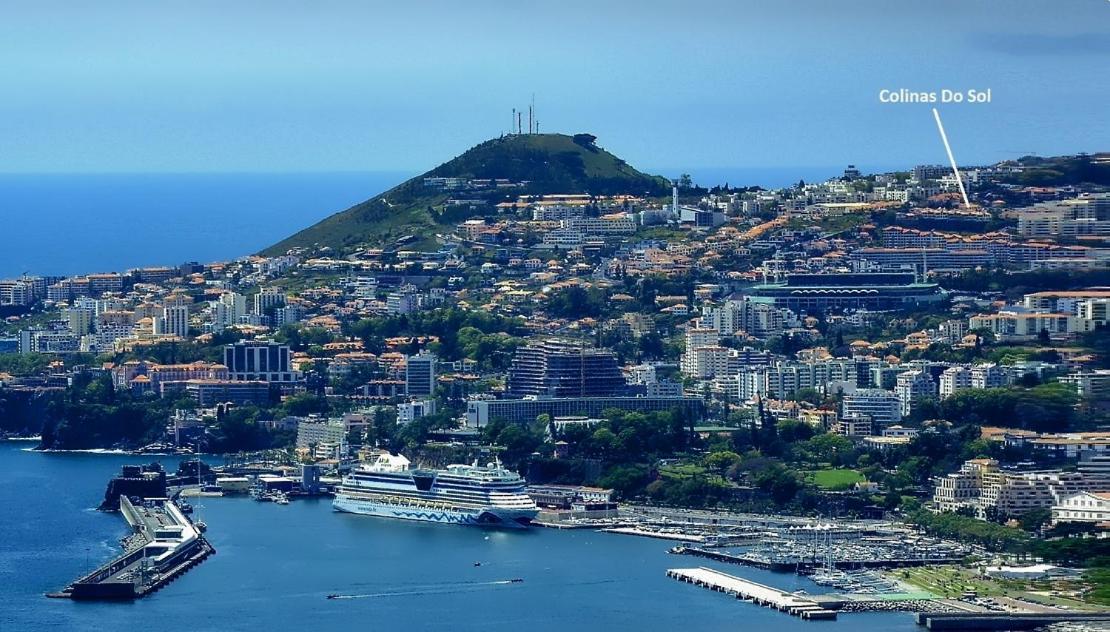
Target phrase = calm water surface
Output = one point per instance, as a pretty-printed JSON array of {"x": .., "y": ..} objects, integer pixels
[
  {"x": 275, "y": 565},
  {"x": 81, "y": 223}
]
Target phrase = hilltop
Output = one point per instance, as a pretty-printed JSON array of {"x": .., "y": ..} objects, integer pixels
[
  {"x": 1063, "y": 170},
  {"x": 526, "y": 164}
]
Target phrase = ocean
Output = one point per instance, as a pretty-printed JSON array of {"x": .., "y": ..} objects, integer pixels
[
  {"x": 80, "y": 223},
  {"x": 275, "y": 565}
]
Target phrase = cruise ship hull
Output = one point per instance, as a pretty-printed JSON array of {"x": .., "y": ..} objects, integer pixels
[{"x": 482, "y": 517}]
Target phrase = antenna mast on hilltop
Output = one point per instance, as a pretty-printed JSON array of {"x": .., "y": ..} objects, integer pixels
[{"x": 516, "y": 125}]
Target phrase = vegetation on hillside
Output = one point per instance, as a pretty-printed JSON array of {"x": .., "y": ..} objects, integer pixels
[
  {"x": 548, "y": 163},
  {"x": 1061, "y": 170}
]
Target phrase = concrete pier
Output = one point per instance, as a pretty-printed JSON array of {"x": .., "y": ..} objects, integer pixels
[
  {"x": 163, "y": 544},
  {"x": 752, "y": 591}
]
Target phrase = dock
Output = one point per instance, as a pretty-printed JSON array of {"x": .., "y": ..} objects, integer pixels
[
  {"x": 163, "y": 545},
  {"x": 806, "y": 565},
  {"x": 649, "y": 533},
  {"x": 754, "y": 592}
]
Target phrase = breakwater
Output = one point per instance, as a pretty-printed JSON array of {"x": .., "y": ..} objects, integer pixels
[
  {"x": 756, "y": 593},
  {"x": 163, "y": 545}
]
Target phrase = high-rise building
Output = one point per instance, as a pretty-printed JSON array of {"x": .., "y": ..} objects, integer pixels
[
  {"x": 557, "y": 368},
  {"x": 227, "y": 310},
  {"x": 988, "y": 376},
  {"x": 703, "y": 357},
  {"x": 420, "y": 374},
  {"x": 269, "y": 298},
  {"x": 405, "y": 300},
  {"x": 913, "y": 386},
  {"x": 882, "y": 407},
  {"x": 288, "y": 314},
  {"x": 173, "y": 321},
  {"x": 80, "y": 320},
  {"x": 17, "y": 292},
  {"x": 954, "y": 379},
  {"x": 249, "y": 360}
]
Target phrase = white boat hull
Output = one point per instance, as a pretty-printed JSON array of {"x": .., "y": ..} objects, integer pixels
[{"x": 486, "y": 516}]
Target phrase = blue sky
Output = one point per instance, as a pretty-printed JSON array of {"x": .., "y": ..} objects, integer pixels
[{"x": 322, "y": 86}]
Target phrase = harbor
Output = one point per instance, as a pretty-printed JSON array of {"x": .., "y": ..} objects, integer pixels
[
  {"x": 825, "y": 568},
  {"x": 164, "y": 544},
  {"x": 421, "y": 559}
]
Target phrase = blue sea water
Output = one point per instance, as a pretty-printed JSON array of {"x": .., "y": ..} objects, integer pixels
[
  {"x": 275, "y": 566},
  {"x": 80, "y": 223}
]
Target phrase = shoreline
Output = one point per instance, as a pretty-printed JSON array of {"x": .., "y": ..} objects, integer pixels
[{"x": 113, "y": 451}]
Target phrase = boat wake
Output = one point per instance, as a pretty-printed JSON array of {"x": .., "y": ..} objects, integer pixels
[{"x": 432, "y": 589}]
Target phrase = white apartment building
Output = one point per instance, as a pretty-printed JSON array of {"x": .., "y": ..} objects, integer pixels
[
  {"x": 913, "y": 386},
  {"x": 954, "y": 379},
  {"x": 404, "y": 301},
  {"x": 703, "y": 357},
  {"x": 617, "y": 224},
  {"x": 268, "y": 298},
  {"x": 705, "y": 362},
  {"x": 1016, "y": 326},
  {"x": 882, "y": 407},
  {"x": 227, "y": 310},
  {"x": 408, "y": 412},
  {"x": 173, "y": 321},
  {"x": 1089, "y": 384},
  {"x": 983, "y": 487},
  {"x": 1095, "y": 309},
  {"x": 317, "y": 432},
  {"x": 756, "y": 318},
  {"x": 1090, "y": 507},
  {"x": 988, "y": 376}
]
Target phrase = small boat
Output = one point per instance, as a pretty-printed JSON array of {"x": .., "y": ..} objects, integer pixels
[
  {"x": 333, "y": 596},
  {"x": 477, "y": 563},
  {"x": 516, "y": 580}
]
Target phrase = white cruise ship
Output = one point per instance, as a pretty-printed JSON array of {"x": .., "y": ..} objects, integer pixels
[{"x": 460, "y": 494}]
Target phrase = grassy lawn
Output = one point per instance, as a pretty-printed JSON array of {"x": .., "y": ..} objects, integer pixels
[
  {"x": 685, "y": 470},
  {"x": 836, "y": 479},
  {"x": 951, "y": 581}
]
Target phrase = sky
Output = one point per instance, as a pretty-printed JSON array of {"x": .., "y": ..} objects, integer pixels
[{"x": 280, "y": 86}]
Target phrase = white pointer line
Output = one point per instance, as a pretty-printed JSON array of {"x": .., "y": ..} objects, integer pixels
[{"x": 951, "y": 158}]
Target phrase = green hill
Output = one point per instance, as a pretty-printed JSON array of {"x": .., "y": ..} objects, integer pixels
[
  {"x": 1063, "y": 170},
  {"x": 536, "y": 163}
]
